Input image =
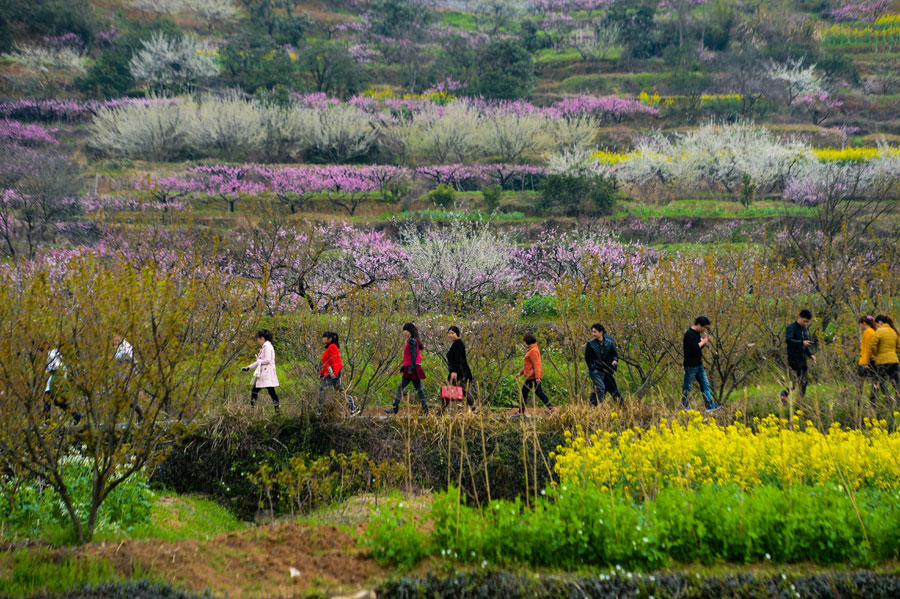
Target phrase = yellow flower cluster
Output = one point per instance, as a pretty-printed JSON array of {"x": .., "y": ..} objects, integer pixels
[
  {"x": 649, "y": 100},
  {"x": 610, "y": 158},
  {"x": 691, "y": 452},
  {"x": 379, "y": 94},
  {"x": 860, "y": 154},
  {"x": 887, "y": 21},
  {"x": 709, "y": 98},
  {"x": 886, "y": 30},
  {"x": 438, "y": 97},
  {"x": 656, "y": 100}
]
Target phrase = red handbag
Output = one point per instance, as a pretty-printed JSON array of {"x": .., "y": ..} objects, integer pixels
[{"x": 452, "y": 393}]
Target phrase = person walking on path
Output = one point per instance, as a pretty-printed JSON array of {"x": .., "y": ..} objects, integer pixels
[
  {"x": 264, "y": 375},
  {"x": 533, "y": 371},
  {"x": 602, "y": 359},
  {"x": 799, "y": 349},
  {"x": 459, "y": 372},
  {"x": 411, "y": 369},
  {"x": 124, "y": 358},
  {"x": 884, "y": 346},
  {"x": 865, "y": 368},
  {"x": 330, "y": 373},
  {"x": 695, "y": 339},
  {"x": 55, "y": 390}
]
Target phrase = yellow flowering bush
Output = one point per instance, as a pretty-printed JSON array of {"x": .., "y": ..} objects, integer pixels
[
  {"x": 860, "y": 154},
  {"x": 691, "y": 452},
  {"x": 885, "y": 30},
  {"x": 610, "y": 158}
]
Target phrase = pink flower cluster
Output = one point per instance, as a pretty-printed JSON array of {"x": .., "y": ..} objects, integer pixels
[
  {"x": 26, "y": 134},
  {"x": 821, "y": 99},
  {"x": 612, "y": 107},
  {"x": 864, "y": 10},
  {"x": 295, "y": 184}
]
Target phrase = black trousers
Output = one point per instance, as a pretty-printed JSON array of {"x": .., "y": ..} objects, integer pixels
[
  {"x": 885, "y": 373},
  {"x": 272, "y": 393},
  {"x": 603, "y": 383},
  {"x": 800, "y": 375},
  {"x": 538, "y": 390}
]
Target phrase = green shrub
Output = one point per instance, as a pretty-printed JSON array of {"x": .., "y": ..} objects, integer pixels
[
  {"x": 539, "y": 305},
  {"x": 33, "y": 509},
  {"x": 256, "y": 62},
  {"x": 576, "y": 193},
  {"x": 52, "y": 17},
  {"x": 574, "y": 527},
  {"x": 443, "y": 196},
  {"x": 393, "y": 536},
  {"x": 506, "y": 70},
  {"x": 491, "y": 197}
]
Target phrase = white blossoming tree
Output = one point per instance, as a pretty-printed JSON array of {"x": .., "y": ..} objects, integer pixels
[{"x": 173, "y": 63}]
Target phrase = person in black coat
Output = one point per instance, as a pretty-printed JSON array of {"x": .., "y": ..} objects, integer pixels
[
  {"x": 602, "y": 359},
  {"x": 799, "y": 349},
  {"x": 458, "y": 366}
]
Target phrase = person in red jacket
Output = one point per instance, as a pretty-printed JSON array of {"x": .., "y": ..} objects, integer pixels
[{"x": 330, "y": 374}]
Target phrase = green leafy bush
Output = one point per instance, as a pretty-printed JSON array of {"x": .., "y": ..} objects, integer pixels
[
  {"x": 443, "y": 196},
  {"x": 491, "y": 197},
  {"x": 539, "y": 305},
  {"x": 573, "y": 527},
  {"x": 393, "y": 536},
  {"x": 574, "y": 193},
  {"x": 33, "y": 509}
]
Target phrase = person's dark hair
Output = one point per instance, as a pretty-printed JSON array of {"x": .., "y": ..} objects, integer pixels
[
  {"x": 529, "y": 338},
  {"x": 265, "y": 334},
  {"x": 804, "y": 313},
  {"x": 702, "y": 321},
  {"x": 332, "y": 337},
  {"x": 599, "y": 327},
  {"x": 867, "y": 320},
  {"x": 414, "y": 333},
  {"x": 455, "y": 329},
  {"x": 886, "y": 320}
]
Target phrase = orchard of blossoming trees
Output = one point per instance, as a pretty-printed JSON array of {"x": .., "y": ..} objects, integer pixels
[{"x": 187, "y": 184}]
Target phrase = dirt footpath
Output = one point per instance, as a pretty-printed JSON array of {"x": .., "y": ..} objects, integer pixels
[{"x": 277, "y": 560}]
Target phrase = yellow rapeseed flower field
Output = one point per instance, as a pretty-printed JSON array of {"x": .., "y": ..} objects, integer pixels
[
  {"x": 691, "y": 452},
  {"x": 859, "y": 154}
]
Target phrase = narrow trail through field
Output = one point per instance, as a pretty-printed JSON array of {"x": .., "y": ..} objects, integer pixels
[{"x": 275, "y": 560}]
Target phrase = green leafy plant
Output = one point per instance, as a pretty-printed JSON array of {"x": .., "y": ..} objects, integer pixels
[
  {"x": 443, "y": 196},
  {"x": 491, "y": 197}
]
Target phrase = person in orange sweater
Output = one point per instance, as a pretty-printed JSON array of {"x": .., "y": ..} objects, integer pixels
[
  {"x": 533, "y": 371},
  {"x": 330, "y": 374},
  {"x": 865, "y": 369}
]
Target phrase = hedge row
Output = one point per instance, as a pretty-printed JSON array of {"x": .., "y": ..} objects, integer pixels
[
  {"x": 215, "y": 461},
  {"x": 491, "y": 585}
]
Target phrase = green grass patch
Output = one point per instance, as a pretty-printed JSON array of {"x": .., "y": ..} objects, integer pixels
[
  {"x": 711, "y": 209},
  {"x": 581, "y": 83},
  {"x": 459, "y": 19},
  {"x": 457, "y": 215},
  {"x": 551, "y": 55},
  {"x": 177, "y": 517},
  {"x": 25, "y": 572}
]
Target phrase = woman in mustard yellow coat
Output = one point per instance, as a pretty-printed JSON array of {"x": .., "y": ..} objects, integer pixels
[{"x": 884, "y": 346}]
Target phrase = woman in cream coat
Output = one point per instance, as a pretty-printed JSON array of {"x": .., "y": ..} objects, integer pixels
[{"x": 264, "y": 376}]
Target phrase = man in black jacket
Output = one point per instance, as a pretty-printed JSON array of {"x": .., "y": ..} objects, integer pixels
[
  {"x": 602, "y": 360},
  {"x": 799, "y": 349}
]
